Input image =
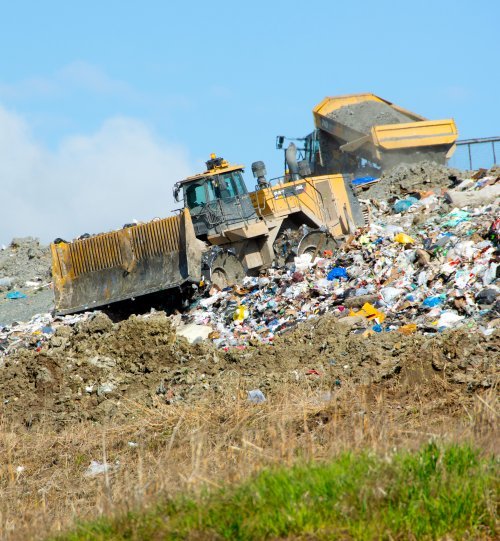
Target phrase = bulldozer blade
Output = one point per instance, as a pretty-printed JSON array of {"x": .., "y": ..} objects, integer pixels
[{"x": 124, "y": 264}]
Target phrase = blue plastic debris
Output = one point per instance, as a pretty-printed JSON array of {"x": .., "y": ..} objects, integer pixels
[
  {"x": 363, "y": 180},
  {"x": 431, "y": 302},
  {"x": 404, "y": 204},
  {"x": 337, "y": 272},
  {"x": 15, "y": 295}
]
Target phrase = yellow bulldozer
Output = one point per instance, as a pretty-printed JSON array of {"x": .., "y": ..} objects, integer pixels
[{"x": 222, "y": 233}]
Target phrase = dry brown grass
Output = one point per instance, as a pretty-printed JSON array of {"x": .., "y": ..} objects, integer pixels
[{"x": 213, "y": 442}]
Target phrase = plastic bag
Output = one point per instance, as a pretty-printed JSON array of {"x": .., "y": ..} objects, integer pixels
[
  {"x": 456, "y": 216},
  {"x": 404, "y": 204},
  {"x": 408, "y": 329},
  {"x": 449, "y": 319},
  {"x": 431, "y": 302},
  {"x": 303, "y": 262},
  {"x": 370, "y": 312},
  {"x": 390, "y": 294},
  {"x": 336, "y": 273}
]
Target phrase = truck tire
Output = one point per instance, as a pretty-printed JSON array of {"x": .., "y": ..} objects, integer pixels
[
  {"x": 316, "y": 242},
  {"x": 226, "y": 270}
]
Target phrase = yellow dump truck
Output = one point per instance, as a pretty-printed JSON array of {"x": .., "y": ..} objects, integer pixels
[
  {"x": 222, "y": 232},
  {"x": 364, "y": 127}
]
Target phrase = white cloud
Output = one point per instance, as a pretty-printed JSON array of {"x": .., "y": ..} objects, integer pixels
[
  {"x": 35, "y": 86},
  {"x": 91, "y": 183},
  {"x": 89, "y": 77},
  {"x": 76, "y": 75}
]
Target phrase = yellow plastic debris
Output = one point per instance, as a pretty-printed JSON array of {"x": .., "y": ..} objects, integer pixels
[
  {"x": 368, "y": 333},
  {"x": 370, "y": 312},
  {"x": 240, "y": 314},
  {"x": 403, "y": 238},
  {"x": 407, "y": 329}
]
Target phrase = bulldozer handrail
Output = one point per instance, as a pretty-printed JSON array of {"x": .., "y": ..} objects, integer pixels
[
  {"x": 322, "y": 205},
  {"x": 270, "y": 200}
]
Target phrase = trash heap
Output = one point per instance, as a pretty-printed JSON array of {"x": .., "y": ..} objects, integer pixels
[
  {"x": 421, "y": 265},
  {"x": 428, "y": 261},
  {"x": 34, "y": 333},
  {"x": 24, "y": 264},
  {"x": 25, "y": 280}
]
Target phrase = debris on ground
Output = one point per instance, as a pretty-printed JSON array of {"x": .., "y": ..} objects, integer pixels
[
  {"x": 425, "y": 266},
  {"x": 407, "y": 178},
  {"x": 26, "y": 278},
  {"x": 95, "y": 370}
]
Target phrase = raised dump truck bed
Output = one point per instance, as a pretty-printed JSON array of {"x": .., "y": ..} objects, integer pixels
[{"x": 379, "y": 131}]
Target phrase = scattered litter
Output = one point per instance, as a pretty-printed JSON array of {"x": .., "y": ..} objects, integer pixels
[
  {"x": 12, "y": 295},
  {"x": 256, "y": 396},
  {"x": 97, "y": 468}
]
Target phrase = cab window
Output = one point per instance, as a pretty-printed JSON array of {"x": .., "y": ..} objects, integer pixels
[
  {"x": 231, "y": 185},
  {"x": 239, "y": 183},
  {"x": 227, "y": 188},
  {"x": 196, "y": 195}
]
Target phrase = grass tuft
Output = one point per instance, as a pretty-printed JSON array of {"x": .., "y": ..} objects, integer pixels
[{"x": 434, "y": 493}]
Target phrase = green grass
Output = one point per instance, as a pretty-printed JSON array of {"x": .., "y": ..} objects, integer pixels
[{"x": 431, "y": 494}]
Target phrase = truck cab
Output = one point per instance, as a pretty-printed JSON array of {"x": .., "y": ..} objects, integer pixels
[{"x": 217, "y": 199}]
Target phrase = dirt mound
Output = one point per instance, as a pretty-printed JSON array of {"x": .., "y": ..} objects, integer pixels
[
  {"x": 406, "y": 178},
  {"x": 24, "y": 260},
  {"x": 96, "y": 369},
  {"x": 362, "y": 116},
  {"x": 25, "y": 266}
]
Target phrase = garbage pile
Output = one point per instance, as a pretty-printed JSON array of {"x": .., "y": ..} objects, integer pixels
[
  {"x": 25, "y": 280},
  {"x": 422, "y": 264},
  {"x": 419, "y": 266},
  {"x": 407, "y": 178},
  {"x": 24, "y": 264},
  {"x": 34, "y": 333}
]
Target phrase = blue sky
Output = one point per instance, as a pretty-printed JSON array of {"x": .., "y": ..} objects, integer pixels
[{"x": 104, "y": 105}]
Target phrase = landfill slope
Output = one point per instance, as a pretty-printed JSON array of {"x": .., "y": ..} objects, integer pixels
[
  {"x": 388, "y": 342},
  {"x": 362, "y": 116},
  {"x": 25, "y": 259},
  {"x": 418, "y": 284},
  {"x": 25, "y": 267},
  {"x": 93, "y": 370},
  {"x": 405, "y": 178}
]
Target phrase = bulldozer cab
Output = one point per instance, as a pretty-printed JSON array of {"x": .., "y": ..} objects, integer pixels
[{"x": 217, "y": 199}]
